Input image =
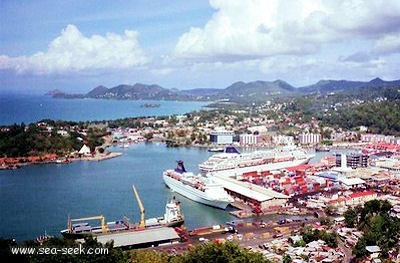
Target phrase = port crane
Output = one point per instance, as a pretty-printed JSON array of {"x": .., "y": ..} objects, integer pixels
[
  {"x": 142, "y": 222},
  {"x": 101, "y": 218}
]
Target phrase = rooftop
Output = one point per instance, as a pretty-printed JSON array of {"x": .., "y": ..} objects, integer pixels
[
  {"x": 351, "y": 181},
  {"x": 132, "y": 238}
]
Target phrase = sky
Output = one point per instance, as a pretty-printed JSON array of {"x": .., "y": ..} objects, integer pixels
[{"x": 75, "y": 46}]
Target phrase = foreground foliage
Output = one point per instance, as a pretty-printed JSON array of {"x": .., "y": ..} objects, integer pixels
[
  {"x": 229, "y": 252},
  {"x": 378, "y": 226},
  {"x": 213, "y": 252}
]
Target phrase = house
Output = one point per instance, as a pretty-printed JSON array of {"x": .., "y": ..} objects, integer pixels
[
  {"x": 85, "y": 150},
  {"x": 359, "y": 198}
]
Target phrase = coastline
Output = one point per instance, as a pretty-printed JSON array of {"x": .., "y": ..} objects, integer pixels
[
  {"x": 10, "y": 163},
  {"x": 15, "y": 163}
]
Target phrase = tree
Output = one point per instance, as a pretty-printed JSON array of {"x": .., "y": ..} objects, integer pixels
[
  {"x": 330, "y": 210},
  {"x": 147, "y": 256},
  {"x": 359, "y": 249},
  {"x": 378, "y": 226},
  {"x": 148, "y": 136},
  {"x": 287, "y": 258},
  {"x": 326, "y": 221},
  {"x": 215, "y": 252},
  {"x": 350, "y": 218}
]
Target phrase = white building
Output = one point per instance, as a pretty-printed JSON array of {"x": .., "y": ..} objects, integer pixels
[
  {"x": 221, "y": 137},
  {"x": 283, "y": 140},
  {"x": 374, "y": 138},
  {"x": 248, "y": 139},
  {"x": 310, "y": 138},
  {"x": 85, "y": 150}
]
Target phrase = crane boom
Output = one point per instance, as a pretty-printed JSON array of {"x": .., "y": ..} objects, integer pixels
[
  {"x": 101, "y": 218},
  {"x": 141, "y": 207}
]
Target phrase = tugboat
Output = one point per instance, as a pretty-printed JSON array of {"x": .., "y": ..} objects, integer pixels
[{"x": 173, "y": 216}]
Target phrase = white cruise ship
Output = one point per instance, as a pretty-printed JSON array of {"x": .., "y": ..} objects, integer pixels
[
  {"x": 196, "y": 187},
  {"x": 273, "y": 159}
]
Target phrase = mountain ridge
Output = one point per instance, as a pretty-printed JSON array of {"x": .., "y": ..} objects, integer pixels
[{"x": 237, "y": 91}]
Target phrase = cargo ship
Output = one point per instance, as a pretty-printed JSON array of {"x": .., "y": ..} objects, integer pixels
[
  {"x": 196, "y": 187},
  {"x": 273, "y": 159},
  {"x": 80, "y": 228}
]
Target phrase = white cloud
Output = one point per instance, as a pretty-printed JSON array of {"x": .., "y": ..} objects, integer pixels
[
  {"x": 388, "y": 45},
  {"x": 249, "y": 29},
  {"x": 72, "y": 51},
  {"x": 162, "y": 71}
]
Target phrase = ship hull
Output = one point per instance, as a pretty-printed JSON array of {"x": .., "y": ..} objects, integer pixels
[
  {"x": 266, "y": 167},
  {"x": 75, "y": 235},
  {"x": 177, "y": 223},
  {"x": 192, "y": 193},
  {"x": 69, "y": 235}
]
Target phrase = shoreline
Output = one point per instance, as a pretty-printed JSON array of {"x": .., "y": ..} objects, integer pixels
[
  {"x": 19, "y": 162},
  {"x": 97, "y": 157}
]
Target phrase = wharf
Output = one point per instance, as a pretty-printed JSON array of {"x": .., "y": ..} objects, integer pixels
[
  {"x": 244, "y": 210},
  {"x": 246, "y": 233},
  {"x": 141, "y": 238}
]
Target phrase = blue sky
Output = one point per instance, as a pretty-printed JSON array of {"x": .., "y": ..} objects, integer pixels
[{"x": 75, "y": 46}]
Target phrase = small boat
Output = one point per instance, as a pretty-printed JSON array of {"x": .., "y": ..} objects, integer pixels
[
  {"x": 322, "y": 149},
  {"x": 43, "y": 238},
  {"x": 216, "y": 149}
]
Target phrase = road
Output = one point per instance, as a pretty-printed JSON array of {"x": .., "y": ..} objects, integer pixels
[{"x": 249, "y": 235}]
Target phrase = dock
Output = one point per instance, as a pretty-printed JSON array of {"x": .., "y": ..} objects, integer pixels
[{"x": 141, "y": 238}]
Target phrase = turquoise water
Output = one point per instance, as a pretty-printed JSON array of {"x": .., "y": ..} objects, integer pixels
[
  {"x": 33, "y": 108},
  {"x": 38, "y": 198}
]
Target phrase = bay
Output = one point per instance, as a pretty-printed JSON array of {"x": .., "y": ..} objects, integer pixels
[
  {"x": 18, "y": 108},
  {"x": 38, "y": 198}
]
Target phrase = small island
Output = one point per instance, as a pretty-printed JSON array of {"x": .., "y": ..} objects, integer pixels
[{"x": 150, "y": 105}]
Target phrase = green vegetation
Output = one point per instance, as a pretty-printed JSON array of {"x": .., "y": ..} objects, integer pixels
[
  {"x": 378, "y": 226},
  {"x": 380, "y": 117},
  {"x": 376, "y": 108},
  {"x": 327, "y": 221},
  {"x": 312, "y": 235},
  {"x": 350, "y": 217},
  {"x": 208, "y": 252},
  {"x": 214, "y": 252},
  {"x": 47, "y": 136}
]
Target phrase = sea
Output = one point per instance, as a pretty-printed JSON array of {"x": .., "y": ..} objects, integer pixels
[
  {"x": 24, "y": 108},
  {"x": 38, "y": 199}
]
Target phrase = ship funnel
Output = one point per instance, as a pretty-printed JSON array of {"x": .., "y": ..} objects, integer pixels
[
  {"x": 231, "y": 149},
  {"x": 180, "y": 168}
]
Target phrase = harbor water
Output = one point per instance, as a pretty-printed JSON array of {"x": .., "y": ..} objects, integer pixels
[{"x": 38, "y": 198}]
